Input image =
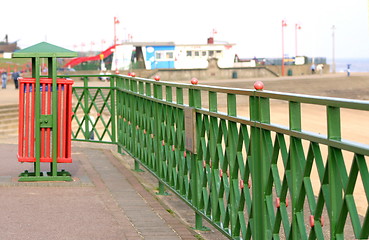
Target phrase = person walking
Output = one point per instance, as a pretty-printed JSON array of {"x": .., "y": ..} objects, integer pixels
[
  {"x": 15, "y": 77},
  {"x": 348, "y": 70},
  {"x": 4, "y": 79}
]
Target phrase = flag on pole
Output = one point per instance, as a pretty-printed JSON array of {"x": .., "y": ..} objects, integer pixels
[{"x": 116, "y": 21}]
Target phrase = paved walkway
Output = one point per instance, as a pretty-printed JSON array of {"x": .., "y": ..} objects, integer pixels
[{"x": 105, "y": 201}]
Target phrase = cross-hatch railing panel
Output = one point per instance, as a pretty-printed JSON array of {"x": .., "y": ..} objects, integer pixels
[
  {"x": 249, "y": 177},
  {"x": 94, "y": 112}
]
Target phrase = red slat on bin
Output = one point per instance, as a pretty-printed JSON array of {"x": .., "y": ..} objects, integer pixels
[{"x": 27, "y": 120}]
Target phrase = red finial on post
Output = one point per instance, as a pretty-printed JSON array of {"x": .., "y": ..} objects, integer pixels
[
  {"x": 259, "y": 85},
  {"x": 277, "y": 202},
  {"x": 312, "y": 221},
  {"x": 157, "y": 78},
  {"x": 194, "y": 81},
  {"x": 242, "y": 185}
]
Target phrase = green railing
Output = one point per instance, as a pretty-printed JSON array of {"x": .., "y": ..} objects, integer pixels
[
  {"x": 94, "y": 111},
  {"x": 226, "y": 154}
]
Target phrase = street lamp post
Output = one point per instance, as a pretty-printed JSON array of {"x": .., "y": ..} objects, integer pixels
[
  {"x": 116, "y": 21},
  {"x": 333, "y": 50},
  {"x": 284, "y": 24},
  {"x": 297, "y": 27}
]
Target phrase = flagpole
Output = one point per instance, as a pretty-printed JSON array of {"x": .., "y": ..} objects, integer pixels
[
  {"x": 333, "y": 51},
  {"x": 115, "y": 32},
  {"x": 297, "y": 27},
  {"x": 283, "y": 25},
  {"x": 116, "y": 21}
]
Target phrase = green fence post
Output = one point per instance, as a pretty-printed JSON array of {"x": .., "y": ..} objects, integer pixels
[
  {"x": 257, "y": 173},
  {"x": 36, "y": 75},
  {"x": 266, "y": 149},
  {"x": 180, "y": 134},
  {"x": 85, "y": 110},
  {"x": 168, "y": 98},
  {"x": 133, "y": 118},
  {"x": 52, "y": 75},
  {"x": 161, "y": 189},
  {"x": 157, "y": 133},
  {"x": 296, "y": 171},
  {"x": 213, "y": 107},
  {"x": 335, "y": 185},
  {"x": 113, "y": 90},
  {"x": 195, "y": 102},
  {"x": 233, "y": 165},
  {"x": 119, "y": 114}
]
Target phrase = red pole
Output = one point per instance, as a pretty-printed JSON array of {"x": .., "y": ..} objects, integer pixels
[{"x": 284, "y": 24}]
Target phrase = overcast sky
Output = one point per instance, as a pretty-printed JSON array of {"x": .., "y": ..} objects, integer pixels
[{"x": 254, "y": 26}]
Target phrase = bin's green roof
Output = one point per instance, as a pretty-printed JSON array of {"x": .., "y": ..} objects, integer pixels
[{"x": 44, "y": 49}]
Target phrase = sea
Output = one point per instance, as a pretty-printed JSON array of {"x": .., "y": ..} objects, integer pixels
[{"x": 356, "y": 64}]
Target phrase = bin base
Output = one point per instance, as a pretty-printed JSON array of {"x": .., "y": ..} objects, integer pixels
[{"x": 31, "y": 177}]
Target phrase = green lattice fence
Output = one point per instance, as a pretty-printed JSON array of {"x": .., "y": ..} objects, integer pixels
[
  {"x": 247, "y": 175},
  {"x": 94, "y": 112}
]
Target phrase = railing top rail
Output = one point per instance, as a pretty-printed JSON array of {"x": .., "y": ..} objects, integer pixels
[{"x": 318, "y": 100}]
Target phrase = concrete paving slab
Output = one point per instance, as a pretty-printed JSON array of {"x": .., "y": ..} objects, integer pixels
[{"x": 103, "y": 202}]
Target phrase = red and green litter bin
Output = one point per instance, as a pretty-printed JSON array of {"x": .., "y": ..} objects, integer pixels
[{"x": 45, "y": 113}]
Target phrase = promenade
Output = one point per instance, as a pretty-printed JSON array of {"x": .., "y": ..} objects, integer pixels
[{"x": 106, "y": 200}]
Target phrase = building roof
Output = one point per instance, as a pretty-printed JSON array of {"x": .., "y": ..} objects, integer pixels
[{"x": 8, "y": 47}]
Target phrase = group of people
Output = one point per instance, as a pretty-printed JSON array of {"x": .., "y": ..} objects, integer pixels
[{"x": 4, "y": 78}]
